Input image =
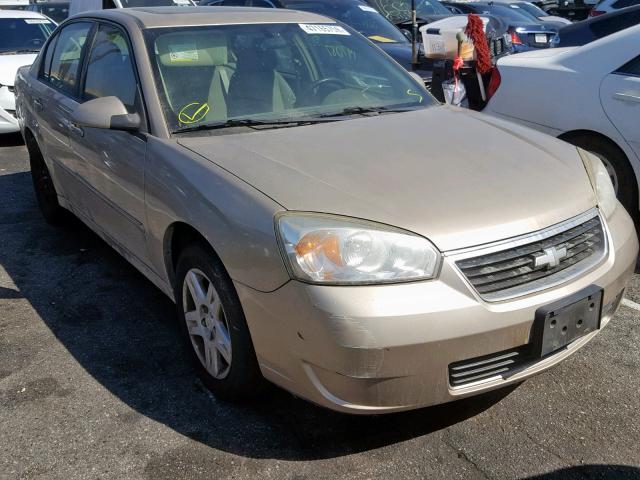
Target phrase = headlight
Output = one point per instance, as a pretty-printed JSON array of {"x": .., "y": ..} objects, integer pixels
[
  {"x": 336, "y": 250},
  {"x": 601, "y": 182}
]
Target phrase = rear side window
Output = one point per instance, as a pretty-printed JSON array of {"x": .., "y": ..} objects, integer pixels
[
  {"x": 64, "y": 70},
  {"x": 48, "y": 55},
  {"x": 110, "y": 70},
  {"x": 631, "y": 68},
  {"x": 625, "y": 3}
]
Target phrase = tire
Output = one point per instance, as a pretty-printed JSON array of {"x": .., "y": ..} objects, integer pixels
[
  {"x": 43, "y": 186},
  {"x": 225, "y": 361},
  {"x": 616, "y": 162}
]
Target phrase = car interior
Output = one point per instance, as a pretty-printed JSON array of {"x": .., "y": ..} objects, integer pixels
[{"x": 255, "y": 72}]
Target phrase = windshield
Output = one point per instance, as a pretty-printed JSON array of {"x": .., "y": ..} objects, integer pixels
[
  {"x": 359, "y": 16},
  {"x": 513, "y": 14},
  {"x": 24, "y": 34},
  {"x": 273, "y": 72},
  {"x": 154, "y": 3},
  {"x": 399, "y": 11}
]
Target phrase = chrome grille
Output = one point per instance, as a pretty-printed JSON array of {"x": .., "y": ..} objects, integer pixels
[
  {"x": 550, "y": 257},
  {"x": 483, "y": 368}
]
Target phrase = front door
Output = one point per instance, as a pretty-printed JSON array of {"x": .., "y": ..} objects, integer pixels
[{"x": 112, "y": 161}]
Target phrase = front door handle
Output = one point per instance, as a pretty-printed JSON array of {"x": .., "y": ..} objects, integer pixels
[
  {"x": 627, "y": 97},
  {"x": 37, "y": 104},
  {"x": 72, "y": 128}
]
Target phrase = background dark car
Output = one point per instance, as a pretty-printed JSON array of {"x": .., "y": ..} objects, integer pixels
[
  {"x": 527, "y": 32},
  {"x": 594, "y": 28},
  {"x": 357, "y": 14},
  {"x": 56, "y": 11},
  {"x": 398, "y": 12}
]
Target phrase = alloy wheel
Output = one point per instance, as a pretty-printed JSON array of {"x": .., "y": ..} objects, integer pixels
[{"x": 206, "y": 323}]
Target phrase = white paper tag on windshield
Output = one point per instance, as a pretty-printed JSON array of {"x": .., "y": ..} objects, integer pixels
[
  {"x": 326, "y": 29},
  {"x": 36, "y": 21},
  {"x": 367, "y": 8},
  {"x": 186, "y": 52}
]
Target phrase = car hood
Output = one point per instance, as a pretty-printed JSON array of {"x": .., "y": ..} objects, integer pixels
[
  {"x": 9, "y": 65},
  {"x": 458, "y": 178}
]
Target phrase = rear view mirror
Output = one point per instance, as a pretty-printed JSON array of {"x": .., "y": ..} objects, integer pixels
[{"x": 106, "y": 113}]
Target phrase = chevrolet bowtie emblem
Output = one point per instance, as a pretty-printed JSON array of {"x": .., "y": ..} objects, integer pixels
[{"x": 550, "y": 257}]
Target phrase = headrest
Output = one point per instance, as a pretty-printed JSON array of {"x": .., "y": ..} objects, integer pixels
[{"x": 192, "y": 50}]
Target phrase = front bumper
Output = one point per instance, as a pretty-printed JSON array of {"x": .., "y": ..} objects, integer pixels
[
  {"x": 8, "y": 121},
  {"x": 378, "y": 349}
]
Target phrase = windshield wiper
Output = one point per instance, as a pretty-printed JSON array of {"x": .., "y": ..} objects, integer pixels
[
  {"x": 366, "y": 110},
  {"x": 247, "y": 122},
  {"x": 18, "y": 51}
]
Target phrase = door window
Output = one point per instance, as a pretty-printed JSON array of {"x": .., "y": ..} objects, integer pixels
[
  {"x": 64, "y": 72},
  {"x": 110, "y": 70},
  {"x": 631, "y": 68}
]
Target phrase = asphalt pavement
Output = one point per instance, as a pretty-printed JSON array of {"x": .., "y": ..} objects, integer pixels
[{"x": 93, "y": 385}]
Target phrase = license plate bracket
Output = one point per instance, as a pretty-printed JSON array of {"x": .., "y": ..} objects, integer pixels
[{"x": 560, "y": 323}]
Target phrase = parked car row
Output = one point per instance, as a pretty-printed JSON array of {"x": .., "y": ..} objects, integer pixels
[{"x": 319, "y": 219}]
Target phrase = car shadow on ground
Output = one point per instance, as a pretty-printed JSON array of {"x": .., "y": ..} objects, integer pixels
[
  {"x": 11, "y": 140},
  {"x": 591, "y": 472},
  {"x": 123, "y": 332}
]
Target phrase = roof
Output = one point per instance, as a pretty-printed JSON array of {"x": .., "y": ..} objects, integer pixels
[
  {"x": 20, "y": 14},
  {"x": 154, "y": 17}
]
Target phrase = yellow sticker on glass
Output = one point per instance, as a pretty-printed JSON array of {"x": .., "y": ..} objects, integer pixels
[
  {"x": 193, "y": 113},
  {"x": 381, "y": 39},
  {"x": 411, "y": 93}
]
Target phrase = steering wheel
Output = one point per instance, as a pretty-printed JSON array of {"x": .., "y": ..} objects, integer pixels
[
  {"x": 315, "y": 86},
  {"x": 35, "y": 42}
]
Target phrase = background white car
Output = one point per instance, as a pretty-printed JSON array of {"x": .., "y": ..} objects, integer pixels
[
  {"x": 588, "y": 96},
  {"x": 79, "y": 6},
  {"x": 605, "y": 6},
  {"x": 22, "y": 35}
]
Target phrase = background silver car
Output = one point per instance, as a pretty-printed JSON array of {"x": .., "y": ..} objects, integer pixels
[{"x": 317, "y": 217}]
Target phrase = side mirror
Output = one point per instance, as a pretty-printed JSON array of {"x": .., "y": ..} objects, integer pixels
[{"x": 106, "y": 113}]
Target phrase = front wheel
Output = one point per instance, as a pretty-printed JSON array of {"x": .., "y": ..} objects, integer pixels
[{"x": 214, "y": 326}]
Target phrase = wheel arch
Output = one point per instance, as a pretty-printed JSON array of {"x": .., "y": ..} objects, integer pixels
[{"x": 177, "y": 237}]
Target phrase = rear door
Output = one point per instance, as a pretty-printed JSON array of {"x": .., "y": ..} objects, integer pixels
[
  {"x": 112, "y": 162},
  {"x": 620, "y": 96},
  {"x": 54, "y": 98}
]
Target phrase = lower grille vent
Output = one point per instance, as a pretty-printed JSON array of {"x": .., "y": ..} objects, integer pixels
[{"x": 487, "y": 366}]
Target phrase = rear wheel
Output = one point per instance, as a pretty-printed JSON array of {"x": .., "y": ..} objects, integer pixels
[
  {"x": 43, "y": 186},
  {"x": 616, "y": 163},
  {"x": 214, "y": 326}
]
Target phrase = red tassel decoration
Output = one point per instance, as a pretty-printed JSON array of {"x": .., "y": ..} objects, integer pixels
[{"x": 475, "y": 31}]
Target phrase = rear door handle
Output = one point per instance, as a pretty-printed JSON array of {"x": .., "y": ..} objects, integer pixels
[
  {"x": 627, "y": 97},
  {"x": 37, "y": 104}
]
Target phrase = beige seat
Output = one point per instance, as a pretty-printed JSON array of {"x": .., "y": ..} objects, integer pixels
[{"x": 195, "y": 69}]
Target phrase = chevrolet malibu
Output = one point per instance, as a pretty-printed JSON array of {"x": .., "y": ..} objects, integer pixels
[{"x": 319, "y": 220}]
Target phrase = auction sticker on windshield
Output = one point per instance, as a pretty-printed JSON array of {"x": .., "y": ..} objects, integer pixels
[{"x": 323, "y": 29}]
